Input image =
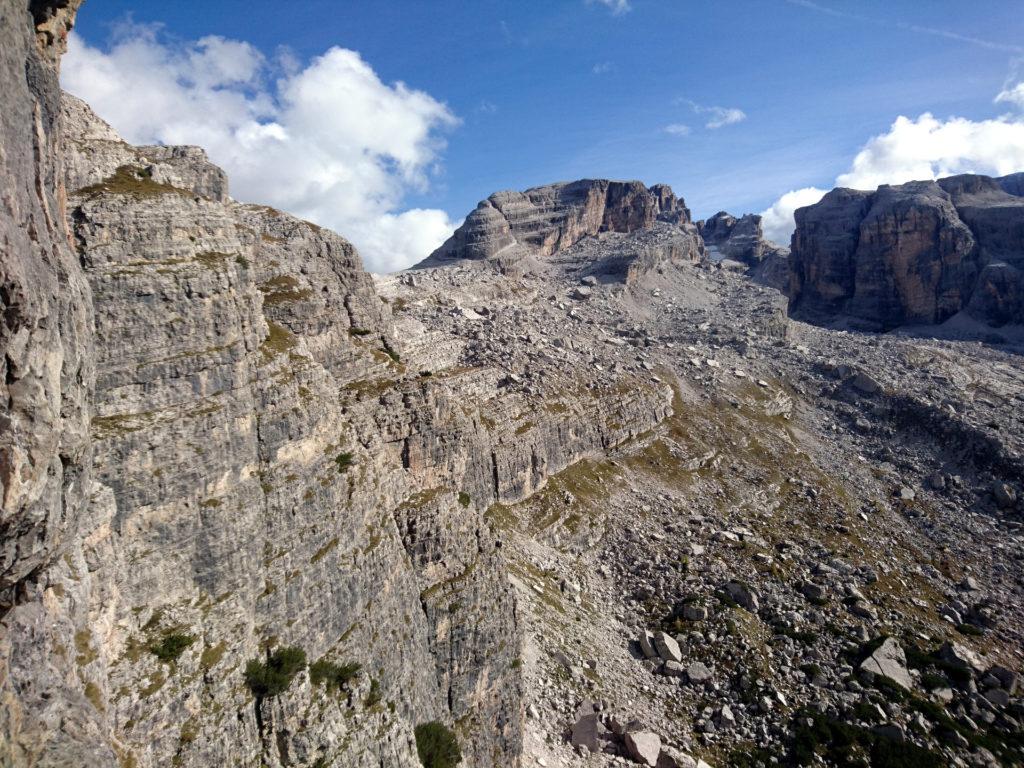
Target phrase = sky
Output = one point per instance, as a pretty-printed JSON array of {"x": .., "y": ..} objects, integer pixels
[{"x": 388, "y": 122}]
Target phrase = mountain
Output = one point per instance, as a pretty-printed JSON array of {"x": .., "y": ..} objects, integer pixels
[
  {"x": 544, "y": 220},
  {"x": 915, "y": 253},
  {"x": 569, "y": 493}
]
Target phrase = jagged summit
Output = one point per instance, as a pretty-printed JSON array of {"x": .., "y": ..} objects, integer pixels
[{"x": 543, "y": 220}]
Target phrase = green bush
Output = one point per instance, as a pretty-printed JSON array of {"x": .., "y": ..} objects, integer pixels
[
  {"x": 464, "y": 499},
  {"x": 344, "y": 461},
  {"x": 272, "y": 677},
  {"x": 390, "y": 352},
  {"x": 359, "y": 331},
  {"x": 333, "y": 675},
  {"x": 171, "y": 646},
  {"x": 437, "y": 746}
]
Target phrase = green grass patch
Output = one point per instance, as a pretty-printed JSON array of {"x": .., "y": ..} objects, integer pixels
[{"x": 130, "y": 180}]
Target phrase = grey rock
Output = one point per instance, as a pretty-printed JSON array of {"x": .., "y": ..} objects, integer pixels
[
  {"x": 888, "y": 660},
  {"x": 643, "y": 747}
]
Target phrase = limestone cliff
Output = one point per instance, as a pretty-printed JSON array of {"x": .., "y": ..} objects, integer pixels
[
  {"x": 544, "y": 220},
  {"x": 215, "y": 453},
  {"x": 914, "y": 253}
]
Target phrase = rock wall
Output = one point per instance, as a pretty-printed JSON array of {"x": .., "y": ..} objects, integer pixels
[
  {"x": 47, "y": 367},
  {"x": 216, "y": 452},
  {"x": 544, "y": 220},
  {"x": 915, "y": 253}
]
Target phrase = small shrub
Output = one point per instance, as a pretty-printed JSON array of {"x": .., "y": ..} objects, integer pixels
[
  {"x": 272, "y": 677},
  {"x": 324, "y": 672},
  {"x": 344, "y": 461},
  {"x": 437, "y": 746},
  {"x": 171, "y": 646},
  {"x": 390, "y": 352},
  {"x": 373, "y": 698},
  {"x": 426, "y": 374},
  {"x": 359, "y": 331},
  {"x": 464, "y": 499},
  {"x": 969, "y": 629}
]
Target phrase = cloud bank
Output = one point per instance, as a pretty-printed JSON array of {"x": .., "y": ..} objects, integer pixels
[
  {"x": 330, "y": 142},
  {"x": 920, "y": 149}
]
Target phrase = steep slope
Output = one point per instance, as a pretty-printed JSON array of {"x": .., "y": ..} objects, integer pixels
[{"x": 916, "y": 253}]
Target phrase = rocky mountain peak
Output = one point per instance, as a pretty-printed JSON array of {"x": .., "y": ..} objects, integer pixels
[{"x": 543, "y": 220}]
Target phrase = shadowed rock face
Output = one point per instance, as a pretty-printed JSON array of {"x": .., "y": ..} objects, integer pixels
[
  {"x": 544, "y": 220},
  {"x": 916, "y": 253}
]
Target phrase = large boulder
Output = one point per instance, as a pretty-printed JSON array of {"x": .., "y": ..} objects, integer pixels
[
  {"x": 643, "y": 747},
  {"x": 888, "y": 660}
]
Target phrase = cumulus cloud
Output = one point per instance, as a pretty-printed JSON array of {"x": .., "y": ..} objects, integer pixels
[
  {"x": 617, "y": 7},
  {"x": 329, "y": 142},
  {"x": 677, "y": 129},
  {"x": 777, "y": 221},
  {"x": 921, "y": 149},
  {"x": 603, "y": 68}
]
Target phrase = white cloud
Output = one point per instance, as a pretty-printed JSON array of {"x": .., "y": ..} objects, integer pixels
[
  {"x": 721, "y": 116},
  {"x": 921, "y": 149},
  {"x": 330, "y": 143},
  {"x": 718, "y": 116},
  {"x": 677, "y": 129},
  {"x": 603, "y": 68},
  {"x": 777, "y": 221},
  {"x": 617, "y": 7},
  {"x": 929, "y": 148},
  {"x": 1013, "y": 95}
]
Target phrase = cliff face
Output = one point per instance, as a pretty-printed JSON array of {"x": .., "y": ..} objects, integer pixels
[
  {"x": 915, "y": 253},
  {"x": 544, "y": 220},
  {"x": 216, "y": 452},
  {"x": 47, "y": 367}
]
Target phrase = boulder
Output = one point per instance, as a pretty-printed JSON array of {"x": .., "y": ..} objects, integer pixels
[
  {"x": 888, "y": 660},
  {"x": 643, "y": 747},
  {"x": 743, "y": 595},
  {"x": 667, "y": 647}
]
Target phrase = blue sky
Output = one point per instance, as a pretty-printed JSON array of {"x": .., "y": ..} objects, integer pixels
[{"x": 558, "y": 90}]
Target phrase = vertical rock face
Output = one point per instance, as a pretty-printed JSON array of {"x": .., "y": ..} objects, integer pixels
[
  {"x": 915, "y": 253},
  {"x": 543, "y": 220},
  {"x": 47, "y": 367}
]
